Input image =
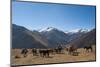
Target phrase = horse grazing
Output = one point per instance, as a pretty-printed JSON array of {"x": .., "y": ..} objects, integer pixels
[
  {"x": 88, "y": 48},
  {"x": 24, "y": 52},
  {"x": 34, "y": 51},
  {"x": 59, "y": 49},
  {"x": 44, "y": 52},
  {"x": 72, "y": 50}
]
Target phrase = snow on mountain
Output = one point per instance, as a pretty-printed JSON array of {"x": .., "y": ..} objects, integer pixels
[
  {"x": 77, "y": 30},
  {"x": 47, "y": 29}
]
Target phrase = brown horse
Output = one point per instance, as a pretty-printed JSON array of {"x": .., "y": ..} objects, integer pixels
[
  {"x": 88, "y": 48},
  {"x": 72, "y": 50},
  {"x": 24, "y": 52},
  {"x": 44, "y": 52}
]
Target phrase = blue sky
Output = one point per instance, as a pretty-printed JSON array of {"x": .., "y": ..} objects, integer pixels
[{"x": 35, "y": 16}]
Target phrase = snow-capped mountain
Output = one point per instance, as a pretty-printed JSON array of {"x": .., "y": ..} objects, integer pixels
[
  {"x": 47, "y": 29},
  {"x": 49, "y": 37},
  {"x": 86, "y": 39},
  {"x": 54, "y": 36},
  {"x": 77, "y": 31}
]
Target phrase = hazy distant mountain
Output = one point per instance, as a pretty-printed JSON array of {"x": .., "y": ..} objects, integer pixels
[
  {"x": 86, "y": 39},
  {"x": 73, "y": 35},
  {"x": 24, "y": 38},
  {"x": 78, "y": 30}
]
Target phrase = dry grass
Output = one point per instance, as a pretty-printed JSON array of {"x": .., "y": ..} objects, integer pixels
[{"x": 57, "y": 58}]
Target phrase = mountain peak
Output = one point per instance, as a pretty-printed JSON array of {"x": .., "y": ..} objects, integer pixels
[
  {"x": 47, "y": 29},
  {"x": 77, "y": 30}
]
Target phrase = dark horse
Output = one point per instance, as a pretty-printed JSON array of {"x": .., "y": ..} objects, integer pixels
[
  {"x": 88, "y": 48},
  {"x": 24, "y": 52},
  {"x": 34, "y": 51},
  {"x": 44, "y": 52}
]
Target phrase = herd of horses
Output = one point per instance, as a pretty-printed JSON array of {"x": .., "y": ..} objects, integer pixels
[{"x": 59, "y": 50}]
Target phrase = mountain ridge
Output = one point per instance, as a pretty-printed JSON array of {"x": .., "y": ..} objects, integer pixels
[
  {"x": 24, "y": 38},
  {"x": 48, "y": 38}
]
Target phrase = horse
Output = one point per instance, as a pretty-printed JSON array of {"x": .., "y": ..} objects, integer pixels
[
  {"x": 44, "y": 52},
  {"x": 59, "y": 49},
  {"x": 51, "y": 50},
  {"x": 34, "y": 51},
  {"x": 66, "y": 49},
  {"x": 72, "y": 50},
  {"x": 88, "y": 48},
  {"x": 24, "y": 52}
]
